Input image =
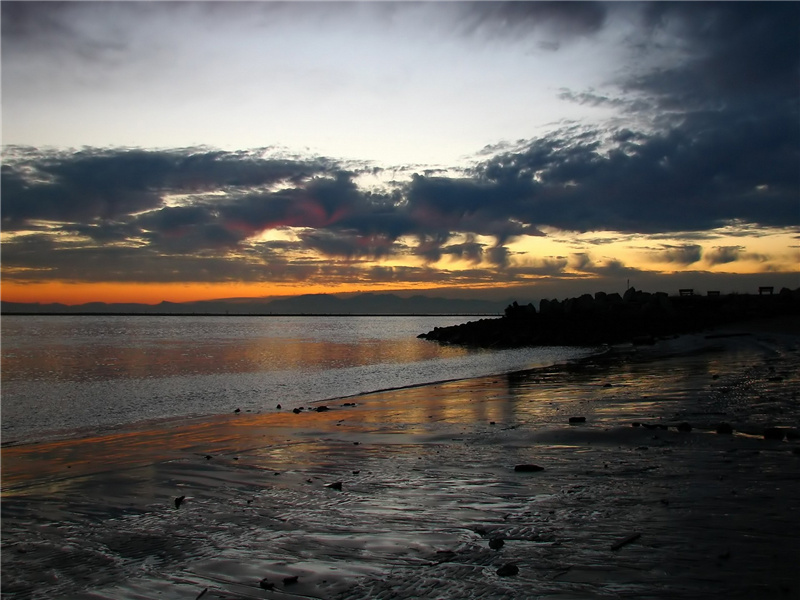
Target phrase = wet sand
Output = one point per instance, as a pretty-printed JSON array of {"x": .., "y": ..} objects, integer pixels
[{"x": 400, "y": 494}]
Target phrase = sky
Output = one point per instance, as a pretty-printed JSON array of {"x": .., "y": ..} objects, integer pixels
[{"x": 195, "y": 150}]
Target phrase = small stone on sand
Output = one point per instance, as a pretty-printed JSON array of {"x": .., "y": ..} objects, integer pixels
[
  {"x": 508, "y": 570},
  {"x": 265, "y": 584},
  {"x": 528, "y": 468}
]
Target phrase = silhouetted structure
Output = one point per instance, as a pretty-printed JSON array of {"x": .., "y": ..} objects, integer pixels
[
  {"x": 637, "y": 316},
  {"x": 768, "y": 289}
]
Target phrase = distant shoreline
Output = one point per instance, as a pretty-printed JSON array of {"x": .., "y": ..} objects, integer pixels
[{"x": 213, "y": 314}]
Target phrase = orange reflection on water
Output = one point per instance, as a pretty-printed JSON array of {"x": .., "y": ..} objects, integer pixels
[{"x": 130, "y": 348}]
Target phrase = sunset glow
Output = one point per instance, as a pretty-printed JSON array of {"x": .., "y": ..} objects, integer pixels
[{"x": 232, "y": 150}]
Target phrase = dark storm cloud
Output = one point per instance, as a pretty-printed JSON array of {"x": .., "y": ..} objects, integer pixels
[
  {"x": 470, "y": 250},
  {"x": 711, "y": 170},
  {"x": 736, "y": 52},
  {"x": 109, "y": 184}
]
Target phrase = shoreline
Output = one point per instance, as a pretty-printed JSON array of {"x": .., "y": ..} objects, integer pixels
[
  {"x": 607, "y": 355},
  {"x": 58, "y": 435},
  {"x": 399, "y": 493}
]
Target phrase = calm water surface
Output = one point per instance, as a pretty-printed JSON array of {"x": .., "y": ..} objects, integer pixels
[{"x": 68, "y": 375}]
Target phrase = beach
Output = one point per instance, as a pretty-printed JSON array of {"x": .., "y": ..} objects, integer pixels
[{"x": 609, "y": 477}]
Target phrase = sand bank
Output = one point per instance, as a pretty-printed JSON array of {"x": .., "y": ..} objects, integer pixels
[{"x": 399, "y": 494}]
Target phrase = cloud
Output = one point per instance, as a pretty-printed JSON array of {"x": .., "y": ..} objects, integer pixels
[
  {"x": 711, "y": 170},
  {"x": 705, "y": 138},
  {"x": 686, "y": 254},
  {"x": 732, "y": 53},
  {"x": 559, "y": 21},
  {"x": 721, "y": 255},
  {"x": 584, "y": 263},
  {"x": 110, "y": 184}
]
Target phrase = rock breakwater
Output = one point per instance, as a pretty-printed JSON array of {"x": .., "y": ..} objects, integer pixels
[{"x": 637, "y": 316}]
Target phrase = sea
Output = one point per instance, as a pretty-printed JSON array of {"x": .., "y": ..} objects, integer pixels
[{"x": 74, "y": 375}]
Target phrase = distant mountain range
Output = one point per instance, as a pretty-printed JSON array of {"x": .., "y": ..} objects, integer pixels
[{"x": 311, "y": 304}]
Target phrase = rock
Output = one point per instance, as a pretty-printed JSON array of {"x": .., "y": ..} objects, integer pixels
[
  {"x": 508, "y": 570},
  {"x": 322, "y": 408},
  {"x": 626, "y": 540},
  {"x": 335, "y": 486},
  {"x": 265, "y": 584},
  {"x": 528, "y": 468},
  {"x": 296, "y": 411},
  {"x": 179, "y": 500},
  {"x": 774, "y": 433},
  {"x": 238, "y": 410},
  {"x": 724, "y": 429},
  {"x": 577, "y": 419},
  {"x": 208, "y": 457},
  {"x": 496, "y": 543},
  {"x": 684, "y": 427},
  {"x": 279, "y": 407},
  {"x": 290, "y": 580}
]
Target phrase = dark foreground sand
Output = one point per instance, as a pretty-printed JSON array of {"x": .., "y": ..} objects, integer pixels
[{"x": 427, "y": 481}]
